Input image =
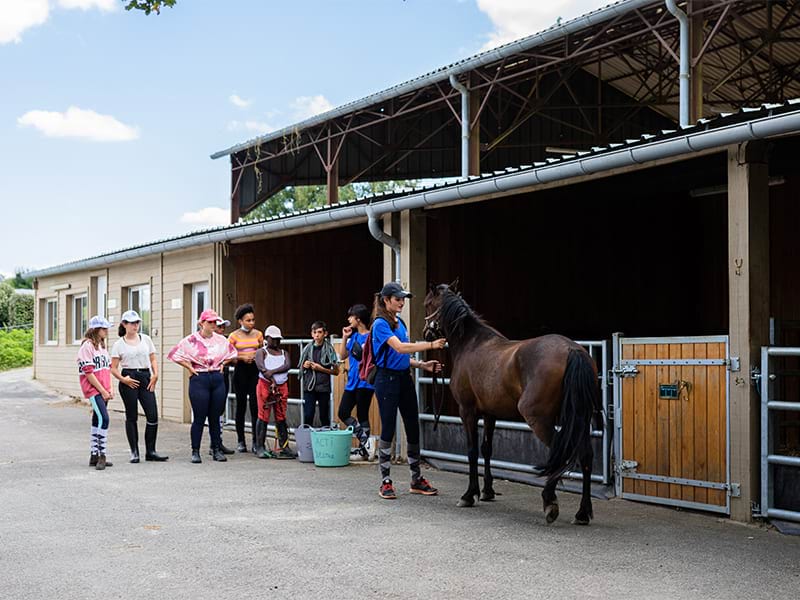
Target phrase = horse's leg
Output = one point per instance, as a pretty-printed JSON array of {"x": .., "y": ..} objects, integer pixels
[
  {"x": 550, "y": 501},
  {"x": 470, "y": 420},
  {"x": 486, "y": 450},
  {"x": 585, "y": 513}
]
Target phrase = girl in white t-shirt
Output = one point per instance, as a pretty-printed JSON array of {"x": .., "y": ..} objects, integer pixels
[{"x": 135, "y": 354}]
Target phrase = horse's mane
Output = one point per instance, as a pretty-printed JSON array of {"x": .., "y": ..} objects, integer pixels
[{"x": 459, "y": 321}]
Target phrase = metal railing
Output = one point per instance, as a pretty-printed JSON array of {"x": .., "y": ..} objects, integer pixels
[
  {"x": 768, "y": 457},
  {"x": 597, "y": 350},
  {"x": 230, "y": 405}
]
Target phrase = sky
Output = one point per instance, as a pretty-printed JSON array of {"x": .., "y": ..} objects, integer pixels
[{"x": 108, "y": 117}]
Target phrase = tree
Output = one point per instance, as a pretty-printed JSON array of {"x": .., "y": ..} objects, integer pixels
[
  {"x": 149, "y": 6},
  {"x": 6, "y": 291},
  {"x": 295, "y": 198},
  {"x": 22, "y": 280},
  {"x": 20, "y": 310}
]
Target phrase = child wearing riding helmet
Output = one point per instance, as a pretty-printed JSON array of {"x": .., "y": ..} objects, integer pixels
[
  {"x": 273, "y": 392},
  {"x": 394, "y": 386},
  {"x": 357, "y": 392},
  {"x": 94, "y": 368}
]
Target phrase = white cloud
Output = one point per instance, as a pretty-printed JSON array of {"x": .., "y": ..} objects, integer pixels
[
  {"x": 79, "y": 123},
  {"x": 104, "y": 5},
  {"x": 259, "y": 127},
  {"x": 210, "y": 216},
  {"x": 238, "y": 101},
  {"x": 308, "y": 106},
  {"x": 514, "y": 19},
  {"x": 16, "y": 17}
]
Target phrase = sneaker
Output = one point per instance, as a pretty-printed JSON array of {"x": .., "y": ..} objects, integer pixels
[
  {"x": 421, "y": 486},
  {"x": 358, "y": 455},
  {"x": 264, "y": 453},
  {"x": 241, "y": 447},
  {"x": 387, "y": 490}
]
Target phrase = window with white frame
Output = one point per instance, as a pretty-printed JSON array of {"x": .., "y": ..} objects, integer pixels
[
  {"x": 139, "y": 300},
  {"x": 50, "y": 321},
  {"x": 80, "y": 317}
]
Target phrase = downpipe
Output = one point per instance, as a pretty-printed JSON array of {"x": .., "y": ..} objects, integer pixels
[
  {"x": 684, "y": 60},
  {"x": 464, "y": 124},
  {"x": 375, "y": 229}
]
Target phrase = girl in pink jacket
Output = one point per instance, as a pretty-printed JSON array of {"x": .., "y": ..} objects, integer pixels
[{"x": 94, "y": 366}]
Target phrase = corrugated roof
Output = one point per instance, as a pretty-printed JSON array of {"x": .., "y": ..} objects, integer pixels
[
  {"x": 703, "y": 127},
  {"x": 441, "y": 74}
]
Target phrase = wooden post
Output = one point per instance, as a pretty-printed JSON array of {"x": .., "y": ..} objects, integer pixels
[
  {"x": 413, "y": 268},
  {"x": 332, "y": 172},
  {"x": 696, "y": 39},
  {"x": 748, "y": 284}
]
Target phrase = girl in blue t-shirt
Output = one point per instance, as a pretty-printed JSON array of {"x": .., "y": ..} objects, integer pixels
[
  {"x": 394, "y": 386},
  {"x": 357, "y": 393}
]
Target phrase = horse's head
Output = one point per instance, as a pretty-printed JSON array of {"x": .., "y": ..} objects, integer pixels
[{"x": 433, "y": 305}]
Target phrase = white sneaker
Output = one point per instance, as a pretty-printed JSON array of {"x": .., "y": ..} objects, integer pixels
[{"x": 371, "y": 446}]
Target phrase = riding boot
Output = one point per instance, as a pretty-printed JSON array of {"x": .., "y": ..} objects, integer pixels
[
  {"x": 261, "y": 436},
  {"x": 132, "y": 431},
  {"x": 283, "y": 441},
  {"x": 150, "y": 434}
]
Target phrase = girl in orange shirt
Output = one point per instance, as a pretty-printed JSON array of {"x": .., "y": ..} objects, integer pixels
[{"x": 247, "y": 340}]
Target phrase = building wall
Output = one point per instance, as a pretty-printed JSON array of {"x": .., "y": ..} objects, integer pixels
[{"x": 170, "y": 277}]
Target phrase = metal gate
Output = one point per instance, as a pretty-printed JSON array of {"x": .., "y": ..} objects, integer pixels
[
  {"x": 771, "y": 459},
  {"x": 671, "y": 402}
]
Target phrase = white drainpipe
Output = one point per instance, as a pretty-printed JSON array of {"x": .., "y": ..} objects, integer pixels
[
  {"x": 373, "y": 221},
  {"x": 464, "y": 124},
  {"x": 684, "y": 60}
]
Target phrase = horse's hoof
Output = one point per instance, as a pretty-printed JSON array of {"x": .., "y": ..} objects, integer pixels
[
  {"x": 466, "y": 502},
  {"x": 581, "y": 520},
  {"x": 551, "y": 513},
  {"x": 487, "y": 497}
]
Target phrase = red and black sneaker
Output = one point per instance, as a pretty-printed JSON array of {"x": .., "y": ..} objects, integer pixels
[
  {"x": 422, "y": 486},
  {"x": 387, "y": 490}
]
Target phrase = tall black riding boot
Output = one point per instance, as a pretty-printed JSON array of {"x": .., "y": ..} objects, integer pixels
[
  {"x": 283, "y": 441},
  {"x": 150, "y": 434},
  {"x": 261, "y": 439},
  {"x": 132, "y": 431}
]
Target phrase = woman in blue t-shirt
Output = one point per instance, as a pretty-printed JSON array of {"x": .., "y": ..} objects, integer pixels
[
  {"x": 357, "y": 393},
  {"x": 394, "y": 386}
]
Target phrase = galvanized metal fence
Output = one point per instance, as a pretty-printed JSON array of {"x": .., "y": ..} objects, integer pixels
[
  {"x": 769, "y": 459},
  {"x": 230, "y": 406},
  {"x": 598, "y": 350}
]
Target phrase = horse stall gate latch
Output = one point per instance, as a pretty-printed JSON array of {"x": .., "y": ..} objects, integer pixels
[
  {"x": 627, "y": 465},
  {"x": 625, "y": 371}
]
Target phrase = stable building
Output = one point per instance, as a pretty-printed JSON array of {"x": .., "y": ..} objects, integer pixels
[{"x": 593, "y": 195}]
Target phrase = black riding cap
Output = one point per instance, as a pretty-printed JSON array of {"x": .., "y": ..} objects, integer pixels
[{"x": 395, "y": 289}]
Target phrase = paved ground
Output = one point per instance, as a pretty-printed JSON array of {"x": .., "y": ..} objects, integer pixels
[{"x": 253, "y": 528}]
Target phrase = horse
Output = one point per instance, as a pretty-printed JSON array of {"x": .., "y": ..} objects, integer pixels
[{"x": 550, "y": 381}]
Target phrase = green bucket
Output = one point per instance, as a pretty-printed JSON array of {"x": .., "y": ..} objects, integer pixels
[{"x": 332, "y": 447}]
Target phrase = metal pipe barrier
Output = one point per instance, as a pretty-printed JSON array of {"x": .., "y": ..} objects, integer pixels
[
  {"x": 768, "y": 457},
  {"x": 597, "y": 350},
  {"x": 230, "y": 410}
]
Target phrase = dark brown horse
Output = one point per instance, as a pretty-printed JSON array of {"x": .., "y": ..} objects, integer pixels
[{"x": 550, "y": 381}]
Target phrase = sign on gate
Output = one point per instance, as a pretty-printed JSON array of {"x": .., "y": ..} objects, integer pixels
[{"x": 672, "y": 437}]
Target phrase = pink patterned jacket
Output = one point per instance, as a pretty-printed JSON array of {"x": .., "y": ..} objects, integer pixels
[{"x": 204, "y": 354}]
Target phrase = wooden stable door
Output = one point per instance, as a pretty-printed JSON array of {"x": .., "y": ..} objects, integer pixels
[{"x": 674, "y": 438}]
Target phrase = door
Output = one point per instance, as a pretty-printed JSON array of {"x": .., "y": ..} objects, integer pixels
[{"x": 672, "y": 439}]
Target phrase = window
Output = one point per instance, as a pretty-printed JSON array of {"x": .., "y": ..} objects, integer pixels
[
  {"x": 101, "y": 291},
  {"x": 139, "y": 300},
  {"x": 80, "y": 317},
  {"x": 50, "y": 321},
  {"x": 200, "y": 300}
]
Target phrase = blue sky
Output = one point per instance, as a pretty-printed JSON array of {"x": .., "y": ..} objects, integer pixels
[{"x": 108, "y": 117}]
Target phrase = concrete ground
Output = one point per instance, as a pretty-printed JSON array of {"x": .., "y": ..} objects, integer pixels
[{"x": 254, "y": 528}]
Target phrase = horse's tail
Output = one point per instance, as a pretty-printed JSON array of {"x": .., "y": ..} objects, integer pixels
[{"x": 579, "y": 403}]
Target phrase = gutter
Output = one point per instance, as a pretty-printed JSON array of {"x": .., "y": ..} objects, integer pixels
[
  {"x": 464, "y": 124},
  {"x": 443, "y": 74},
  {"x": 377, "y": 232},
  {"x": 769, "y": 125}
]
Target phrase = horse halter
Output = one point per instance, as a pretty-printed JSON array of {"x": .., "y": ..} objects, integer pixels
[{"x": 432, "y": 325}]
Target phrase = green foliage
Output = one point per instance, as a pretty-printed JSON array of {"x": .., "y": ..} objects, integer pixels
[
  {"x": 16, "y": 349},
  {"x": 21, "y": 280},
  {"x": 148, "y": 6},
  {"x": 20, "y": 310},
  {"x": 6, "y": 291},
  {"x": 292, "y": 199}
]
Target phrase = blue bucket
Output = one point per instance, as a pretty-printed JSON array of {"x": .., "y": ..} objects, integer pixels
[{"x": 332, "y": 447}]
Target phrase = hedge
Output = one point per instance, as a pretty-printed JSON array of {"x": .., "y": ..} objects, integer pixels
[{"x": 16, "y": 348}]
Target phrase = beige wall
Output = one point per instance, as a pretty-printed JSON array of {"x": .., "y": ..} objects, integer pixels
[{"x": 170, "y": 277}]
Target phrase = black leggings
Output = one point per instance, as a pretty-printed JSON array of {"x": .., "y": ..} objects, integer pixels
[
  {"x": 360, "y": 398},
  {"x": 245, "y": 380},
  {"x": 131, "y": 397},
  {"x": 395, "y": 391},
  {"x": 207, "y": 396}
]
